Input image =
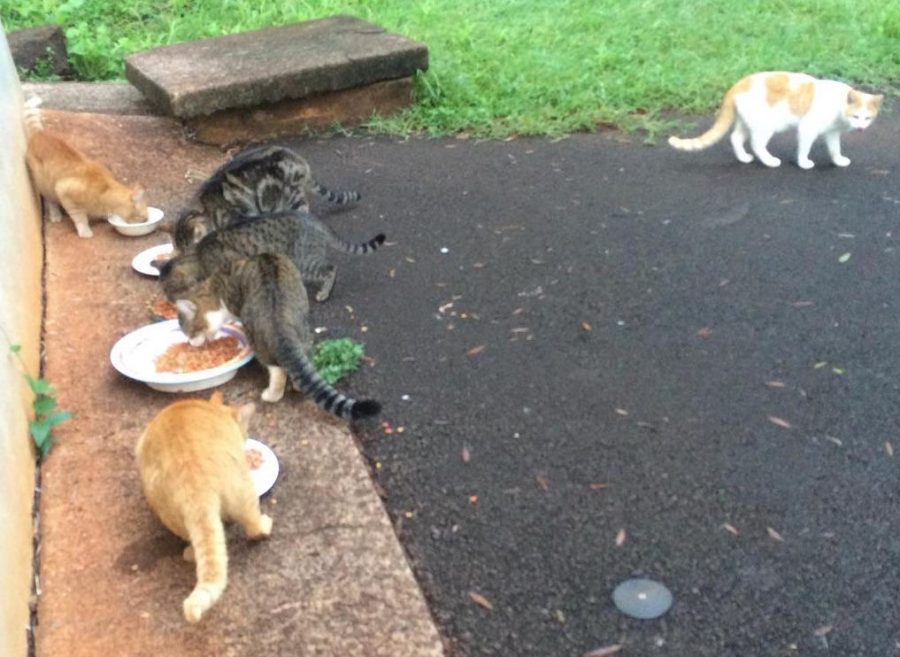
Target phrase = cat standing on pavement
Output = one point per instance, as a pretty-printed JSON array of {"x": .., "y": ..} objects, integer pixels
[
  {"x": 299, "y": 235},
  {"x": 84, "y": 188},
  {"x": 195, "y": 476},
  {"x": 762, "y": 104},
  {"x": 267, "y": 294},
  {"x": 257, "y": 181}
]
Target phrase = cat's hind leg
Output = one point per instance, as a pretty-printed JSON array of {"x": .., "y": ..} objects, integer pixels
[
  {"x": 277, "y": 381},
  {"x": 759, "y": 138},
  {"x": 324, "y": 276},
  {"x": 208, "y": 540},
  {"x": 79, "y": 217},
  {"x": 54, "y": 212},
  {"x": 738, "y": 138},
  {"x": 833, "y": 142},
  {"x": 256, "y": 524}
]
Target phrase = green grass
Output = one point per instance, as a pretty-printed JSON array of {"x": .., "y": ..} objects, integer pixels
[{"x": 503, "y": 67}]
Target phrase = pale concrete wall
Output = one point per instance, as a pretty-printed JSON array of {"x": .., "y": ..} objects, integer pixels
[{"x": 21, "y": 254}]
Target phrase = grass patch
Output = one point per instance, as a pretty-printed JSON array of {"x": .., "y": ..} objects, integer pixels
[{"x": 518, "y": 67}]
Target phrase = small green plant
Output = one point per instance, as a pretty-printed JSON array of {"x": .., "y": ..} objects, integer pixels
[
  {"x": 336, "y": 358},
  {"x": 42, "y": 70},
  {"x": 46, "y": 417}
]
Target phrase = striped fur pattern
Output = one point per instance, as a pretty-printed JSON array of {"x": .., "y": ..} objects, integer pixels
[
  {"x": 298, "y": 234},
  {"x": 763, "y": 104},
  {"x": 267, "y": 293},
  {"x": 255, "y": 182},
  {"x": 194, "y": 475}
]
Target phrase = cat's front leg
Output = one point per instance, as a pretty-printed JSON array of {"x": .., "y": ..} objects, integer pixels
[
  {"x": 805, "y": 139},
  {"x": 277, "y": 380},
  {"x": 833, "y": 142}
]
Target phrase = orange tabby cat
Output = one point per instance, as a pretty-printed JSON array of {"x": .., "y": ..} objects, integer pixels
[
  {"x": 65, "y": 177},
  {"x": 195, "y": 476},
  {"x": 762, "y": 104}
]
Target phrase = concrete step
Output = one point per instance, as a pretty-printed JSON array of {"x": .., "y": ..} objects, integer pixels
[
  {"x": 95, "y": 97},
  {"x": 276, "y": 64}
]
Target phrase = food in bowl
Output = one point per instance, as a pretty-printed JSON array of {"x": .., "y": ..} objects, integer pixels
[
  {"x": 154, "y": 217},
  {"x": 254, "y": 458},
  {"x": 182, "y": 357}
]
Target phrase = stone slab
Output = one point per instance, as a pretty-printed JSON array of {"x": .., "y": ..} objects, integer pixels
[
  {"x": 33, "y": 44},
  {"x": 349, "y": 107},
  {"x": 94, "y": 97},
  {"x": 331, "y": 581},
  {"x": 271, "y": 65}
]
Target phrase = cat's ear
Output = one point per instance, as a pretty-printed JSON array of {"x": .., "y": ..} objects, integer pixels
[
  {"x": 244, "y": 413},
  {"x": 217, "y": 398},
  {"x": 876, "y": 100},
  {"x": 853, "y": 97},
  {"x": 187, "y": 308}
]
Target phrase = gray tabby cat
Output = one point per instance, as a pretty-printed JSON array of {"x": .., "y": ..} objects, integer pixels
[
  {"x": 299, "y": 235},
  {"x": 267, "y": 294},
  {"x": 256, "y": 181}
]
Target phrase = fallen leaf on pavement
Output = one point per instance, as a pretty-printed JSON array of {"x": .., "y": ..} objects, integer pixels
[
  {"x": 784, "y": 424},
  {"x": 775, "y": 535},
  {"x": 603, "y": 652},
  {"x": 822, "y": 631},
  {"x": 774, "y": 383},
  {"x": 730, "y": 528},
  {"x": 474, "y": 351},
  {"x": 466, "y": 455},
  {"x": 889, "y": 449},
  {"x": 542, "y": 482},
  {"x": 587, "y": 326},
  {"x": 480, "y": 600},
  {"x": 599, "y": 485},
  {"x": 844, "y": 258},
  {"x": 705, "y": 332},
  {"x": 620, "y": 538}
]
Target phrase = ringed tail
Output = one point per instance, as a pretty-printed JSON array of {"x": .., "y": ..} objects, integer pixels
[
  {"x": 303, "y": 373},
  {"x": 357, "y": 249},
  {"x": 33, "y": 121},
  {"x": 338, "y": 197},
  {"x": 723, "y": 122}
]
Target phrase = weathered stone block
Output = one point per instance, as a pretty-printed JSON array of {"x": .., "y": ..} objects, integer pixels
[
  {"x": 291, "y": 117},
  {"x": 272, "y": 65},
  {"x": 31, "y": 45}
]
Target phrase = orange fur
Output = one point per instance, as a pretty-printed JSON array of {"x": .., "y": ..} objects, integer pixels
[
  {"x": 195, "y": 476},
  {"x": 84, "y": 188}
]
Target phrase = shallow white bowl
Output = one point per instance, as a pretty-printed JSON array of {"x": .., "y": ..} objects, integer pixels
[
  {"x": 141, "y": 263},
  {"x": 154, "y": 217},
  {"x": 134, "y": 355},
  {"x": 265, "y": 475}
]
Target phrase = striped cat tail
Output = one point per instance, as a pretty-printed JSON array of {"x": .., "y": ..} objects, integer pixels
[
  {"x": 357, "y": 249},
  {"x": 339, "y": 197},
  {"x": 207, "y": 536},
  {"x": 33, "y": 121},
  {"x": 303, "y": 373},
  {"x": 724, "y": 120}
]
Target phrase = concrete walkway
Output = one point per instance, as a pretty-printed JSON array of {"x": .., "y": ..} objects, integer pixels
[{"x": 332, "y": 580}]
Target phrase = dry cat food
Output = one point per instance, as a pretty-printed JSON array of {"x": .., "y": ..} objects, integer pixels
[
  {"x": 182, "y": 357},
  {"x": 254, "y": 458},
  {"x": 163, "y": 308}
]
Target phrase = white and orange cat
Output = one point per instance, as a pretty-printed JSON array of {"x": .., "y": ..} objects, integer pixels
[
  {"x": 763, "y": 104},
  {"x": 84, "y": 188},
  {"x": 195, "y": 477}
]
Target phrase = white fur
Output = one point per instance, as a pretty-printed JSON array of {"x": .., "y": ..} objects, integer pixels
[{"x": 756, "y": 121}]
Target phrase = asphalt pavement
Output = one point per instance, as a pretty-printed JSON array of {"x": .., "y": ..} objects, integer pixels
[{"x": 600, "y": 359}]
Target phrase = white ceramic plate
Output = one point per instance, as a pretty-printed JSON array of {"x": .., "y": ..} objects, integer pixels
[
  {"x": 134, "y": 355},
  {"x": 265, "y": 475},
  {"x": 141, "y": 262}
]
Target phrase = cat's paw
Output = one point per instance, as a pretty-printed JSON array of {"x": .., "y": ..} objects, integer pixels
[
  {"x": 841, "y": 161},
  {"x": 272, "y": 396},
  {"x": 746, "y": 158},
  {"x": 265, "y": 526},
  {"x": 84, "y": 232},
  {"x": 196, "y": 603},
  {"x": 806, "y": 164},
  {"x": 771, "y": 162},
  {"x": 323, "y": 294}
]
